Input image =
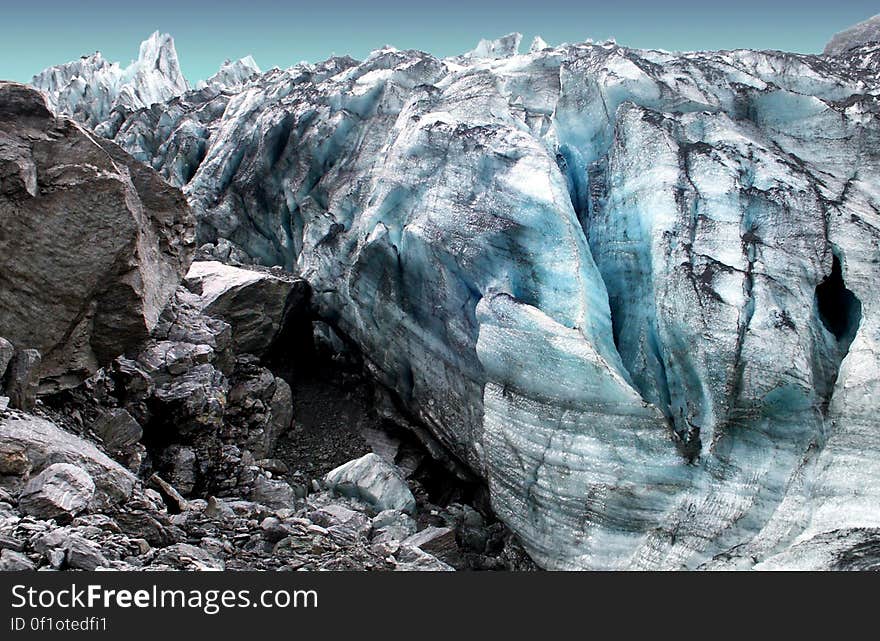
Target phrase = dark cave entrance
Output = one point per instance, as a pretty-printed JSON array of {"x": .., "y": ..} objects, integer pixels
[
  {"x": 338, "y": 417},
  {"x": 839, "y": 309}
]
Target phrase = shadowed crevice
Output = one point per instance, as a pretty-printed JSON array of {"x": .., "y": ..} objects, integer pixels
[{"x": 839, "y": 309}]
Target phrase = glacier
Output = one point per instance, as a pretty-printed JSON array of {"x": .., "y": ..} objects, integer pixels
[
  {"x": 635, "y": 291},
  {"x": 89, "y": 88}
]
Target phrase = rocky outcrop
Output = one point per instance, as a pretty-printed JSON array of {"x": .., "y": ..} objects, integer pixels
[
  {"x": 862, "y": 33},
  {"x": 207, "y": 414},
  {"x": 66, "y": 505},
  {"x": 51, "y": 520},
  {"x": 92, "y": 243},
  {"x": 118, "y": 430},
  {"x": 254, "y": 303}
]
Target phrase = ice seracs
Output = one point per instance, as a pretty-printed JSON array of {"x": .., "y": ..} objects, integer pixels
[
  {"x": 538, "y": 44},
  {"x": 503, "y": 47},
  {"x": 88, "y": 89},
  {"x": 232, "y": 75}
]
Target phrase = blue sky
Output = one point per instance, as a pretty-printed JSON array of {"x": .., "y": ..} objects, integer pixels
[{"x": 45, "y": 32}]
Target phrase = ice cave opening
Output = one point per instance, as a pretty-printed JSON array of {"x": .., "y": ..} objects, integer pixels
[{"x": 839, "y": 309}]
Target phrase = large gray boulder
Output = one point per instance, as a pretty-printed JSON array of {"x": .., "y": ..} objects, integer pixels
[
  {"x": 46, "y": 444},
  {"x": 252, "y": 302},
  {"x": 374, "y": 481},
  {"x": 92, "y": 243}
]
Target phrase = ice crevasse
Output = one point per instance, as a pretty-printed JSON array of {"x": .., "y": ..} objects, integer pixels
[{"x": 635, "y": 291}]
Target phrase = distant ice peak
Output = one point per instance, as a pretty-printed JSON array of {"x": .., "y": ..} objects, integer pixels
[
  {"x": 233, "y": 75},
  {"x": 538, "y": 44},
  {"x": 88, "y": 89},
  {"x": 502, "y": 47}
]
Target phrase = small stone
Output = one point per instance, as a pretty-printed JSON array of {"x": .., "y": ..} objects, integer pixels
[
  {"x": 273, "y": 465},
  {"x": 184, "y": 556},
  {"x": 251, "y": 510},
  {"x": 437, "y": 541},
  {"x": 83, "y": 554},
  {"x": 181, "y": 464},
  {"x": 14, "y": 460},
  {"x": 10, "y": 543},
  {"x": 97, "y": 521},
  {"x": 392, "y": 525},
  {"x": 317, "y": 529},
  {"x": 154, "y": 499},
  {"x": 217, "y": 509},
  {"x": 142, "y": 525},
  {"x": 341, "y": 522},
  {"x": 213, "y": 546},
  {"x": 169, "y": 493},
  {"x": 134, "y": 458},
  {"x": 61, "y": 490},
  {"x": 143, "y": 546},
  {"x": 274, "y": 529},
  {"x": 56, "y": 558},
  {"x": 472, "y": 518},
  {"x": 409, "y": 559},
  {"x": 272, "y": 493}
]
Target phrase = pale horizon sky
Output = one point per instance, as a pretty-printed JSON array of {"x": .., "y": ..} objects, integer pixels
[{"x": 281, "y": 34}]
